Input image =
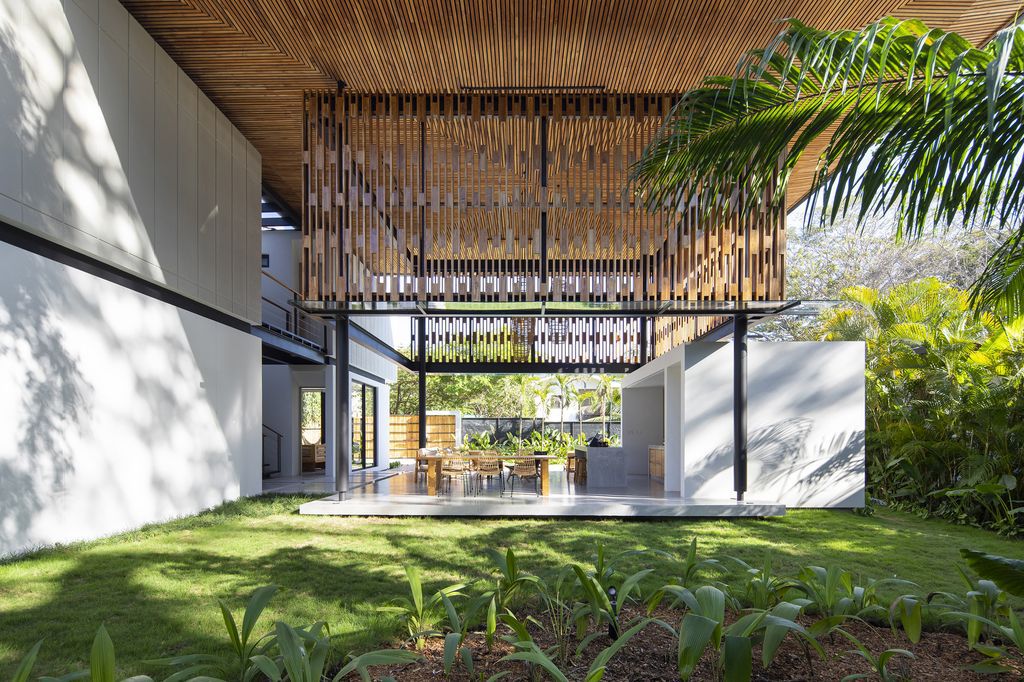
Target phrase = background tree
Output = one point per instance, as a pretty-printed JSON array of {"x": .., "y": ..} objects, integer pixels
[
  {"x": 603, "y": 394},
  {"x": 925, "y": 124},
  {"x": 562, "y": 389}
]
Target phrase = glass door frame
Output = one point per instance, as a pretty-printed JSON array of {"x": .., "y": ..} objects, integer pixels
[{"x": 359, "y": 392}]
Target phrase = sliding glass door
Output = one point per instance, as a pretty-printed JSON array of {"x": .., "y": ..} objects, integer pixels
[{"x": 364, "y": 425}]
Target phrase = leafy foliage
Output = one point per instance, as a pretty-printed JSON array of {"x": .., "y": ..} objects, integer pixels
[
  {"x": 916, "y": 120},
  {"x": 577, "y": 606},
  {"x": 1007, "y": 573},
  {"x": 244, "y": 646},
  {"x": 944, "y": 401}
]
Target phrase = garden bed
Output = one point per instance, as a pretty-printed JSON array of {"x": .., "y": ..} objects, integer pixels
[{"x": 651, "y": 656}]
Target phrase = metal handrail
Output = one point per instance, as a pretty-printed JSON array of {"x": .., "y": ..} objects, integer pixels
[
  {"x": 276, "y": 280},
  {"x": 267, "y": 470},
  {"x": 303, "y": 327}
]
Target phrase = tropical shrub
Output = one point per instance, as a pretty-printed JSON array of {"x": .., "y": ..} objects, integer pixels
[{"x": 945, "y": 402}]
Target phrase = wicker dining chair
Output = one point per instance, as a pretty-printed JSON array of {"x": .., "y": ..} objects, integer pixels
[
  {"x": 422, "y": 466},
  {"x": 452, "y": 466},
  {"x": 489, "y": 467},
  {"x": 524, "y": 468}
]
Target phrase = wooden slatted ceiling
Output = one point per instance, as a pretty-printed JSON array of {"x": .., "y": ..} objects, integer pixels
[{"x": 254, "y": 58}]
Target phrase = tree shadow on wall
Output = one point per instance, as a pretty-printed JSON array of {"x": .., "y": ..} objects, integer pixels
[
  {"x": 54, "y": 403},
  {"x": 774, "y": 442},
  {"x": 781, "y": 453}
]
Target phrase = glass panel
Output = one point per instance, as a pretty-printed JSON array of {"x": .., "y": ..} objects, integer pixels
[
  {"x": 357, "y": 426},
  {"x": 370, "y": 421},
  {"x": 311, "y": 430}
]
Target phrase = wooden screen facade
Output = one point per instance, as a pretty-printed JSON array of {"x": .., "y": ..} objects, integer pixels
[{"x": 515, "y": 198}]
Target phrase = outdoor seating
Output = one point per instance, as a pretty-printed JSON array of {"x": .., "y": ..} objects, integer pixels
[
  {"x": 422, "y": 465},
  {"x": 524, "y": 468},
  {"x": 452, "y": 466},
  {"x": 488, "y": 467}
]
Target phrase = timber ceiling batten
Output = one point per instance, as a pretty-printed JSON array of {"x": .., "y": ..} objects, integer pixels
[
  {"x": 513, "y": 199},
  {"x": 255, "y": 58}
]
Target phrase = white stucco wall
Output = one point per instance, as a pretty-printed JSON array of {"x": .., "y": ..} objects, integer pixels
[
  {"x": 108, "y": 147},
  {"x": 805, "y": 421},
  {"x": 119, "y": 409},
  {"x": 643, "y": 425},
  {"x": 116, "y": 409}
]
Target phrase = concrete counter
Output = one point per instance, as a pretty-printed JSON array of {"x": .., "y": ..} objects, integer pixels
[{"x": 605, "y": 467}]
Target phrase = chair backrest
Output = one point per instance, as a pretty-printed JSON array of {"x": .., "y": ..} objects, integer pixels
[
  {"x": 488, "y": 465},
  {"x": 453, "y": 464},
  {"x": 525, "y": 467}
]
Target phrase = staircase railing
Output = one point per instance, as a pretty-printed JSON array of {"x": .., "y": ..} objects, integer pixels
[
  {"x": 276, "y": 438},
  {"x": 283, "y": 318}
]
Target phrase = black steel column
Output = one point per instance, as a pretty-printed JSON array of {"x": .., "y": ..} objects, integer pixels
[
  {"x": 544, "y": 205},
  {"x": 421, "y": 342},
  {"x": 739, "y": 404},
  {"x": 643, "y": 340},
  {"x": 342, "y": 409}
]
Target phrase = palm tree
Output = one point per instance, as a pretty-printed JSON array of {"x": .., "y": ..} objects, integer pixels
[
  {"x": 605, "y": 389},
  {"x": 942, "y": 402},
  {"x": 526, "y": 390},
  {"x": 561, "y": 386},
  {"x": 916, "y": 120}
]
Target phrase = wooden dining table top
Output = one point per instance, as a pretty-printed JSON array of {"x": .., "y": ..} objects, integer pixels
[{"x": 484, "y": 456}]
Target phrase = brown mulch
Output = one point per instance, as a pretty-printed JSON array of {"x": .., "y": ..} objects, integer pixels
[{"x": 651, "y": 657}]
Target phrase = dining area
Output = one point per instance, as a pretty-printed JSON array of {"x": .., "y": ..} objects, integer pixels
[{"x": 526, "y": 472}]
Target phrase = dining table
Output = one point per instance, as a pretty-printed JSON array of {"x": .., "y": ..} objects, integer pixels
[{"x": 434, "y": 466}]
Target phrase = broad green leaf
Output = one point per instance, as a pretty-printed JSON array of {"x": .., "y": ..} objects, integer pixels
[
  {"x": 25, "y": 667},
  {"x": 101, "y": 659},
  {"x": 737, "y": 658},
  {"x": 257, "y": 603},
  {"x": 1007, "y": 573},
  {"x": 695, "y": 634}
]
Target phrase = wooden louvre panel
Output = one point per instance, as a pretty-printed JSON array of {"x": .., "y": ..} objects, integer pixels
[
  {"x": 515, "y": 199},
  {"x": 510, "y": 198}
]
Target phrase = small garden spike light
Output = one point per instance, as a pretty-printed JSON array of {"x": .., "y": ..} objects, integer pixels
[{"x": 613, "y": 622}]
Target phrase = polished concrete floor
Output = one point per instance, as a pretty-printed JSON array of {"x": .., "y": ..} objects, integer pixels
[
  {"x": 405, "y": 494},
  {"x": 319, "y": 483}
]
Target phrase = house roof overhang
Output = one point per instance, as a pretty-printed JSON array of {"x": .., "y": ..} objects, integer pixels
[{"x": 254, "y": 58}]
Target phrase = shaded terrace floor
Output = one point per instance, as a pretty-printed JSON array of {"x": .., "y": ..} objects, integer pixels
[{"x": 405, "y": 494}]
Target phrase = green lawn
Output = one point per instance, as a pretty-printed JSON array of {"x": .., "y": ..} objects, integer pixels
[{"x": 156, "y": 589}]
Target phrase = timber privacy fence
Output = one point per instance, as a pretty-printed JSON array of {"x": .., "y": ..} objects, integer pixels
[{"x": 441, "y": 430}]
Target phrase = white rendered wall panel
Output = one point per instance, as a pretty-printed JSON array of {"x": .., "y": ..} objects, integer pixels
[
  {"x": 707, "y": 423},
  {"x": 805, "y": 423},
  {"x": 188, "y": 198},
  {"x": 113, "y": 93},
  {"x": 167, "y": 175},
  {"x": 154, "y": 412},
  {"x": 239, "y": 215},
  {"x": 142, "y": 144},
  {"x": 114, "y": 20},
  {"x": 223, "y": 212},
  {"x": 207, "y": 192},
  {"x": 643, "y": 425},
  {"x": 91, "y": 140}
]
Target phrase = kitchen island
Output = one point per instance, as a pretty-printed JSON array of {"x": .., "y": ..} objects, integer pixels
[{"x": 601, "y": 467}]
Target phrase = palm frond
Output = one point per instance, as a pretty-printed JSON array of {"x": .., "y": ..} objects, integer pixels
[
  {"x": 1000, "y": 286},
  {"x": 918, "y": 121}
]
